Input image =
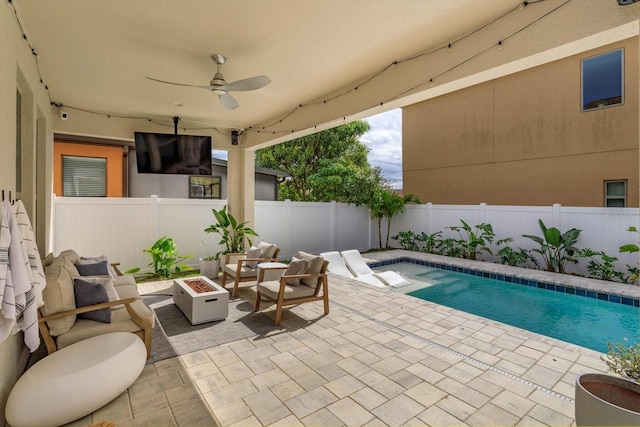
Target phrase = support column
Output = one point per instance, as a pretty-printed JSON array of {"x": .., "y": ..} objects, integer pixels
[{"x": 241, "y": 183}]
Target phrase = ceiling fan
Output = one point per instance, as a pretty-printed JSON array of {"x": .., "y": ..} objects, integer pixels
[{"x": 220, "y": 87}]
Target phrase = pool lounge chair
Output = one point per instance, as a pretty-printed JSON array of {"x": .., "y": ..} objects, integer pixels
[
  {"x": 337, "y": 266},
  {"x": 361, "y": 270}
]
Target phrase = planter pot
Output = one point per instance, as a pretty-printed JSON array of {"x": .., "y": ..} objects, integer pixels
[
  {"x": 605, "y": 400},
  {"x": 209, "y": 268}
]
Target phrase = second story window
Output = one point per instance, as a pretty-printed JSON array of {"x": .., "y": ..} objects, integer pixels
[
  {"x": 602, "y": 80},
  {"x": 84, "y": 176},
  {"x": 615, "y": 194}
]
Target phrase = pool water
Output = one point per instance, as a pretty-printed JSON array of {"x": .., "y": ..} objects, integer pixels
[{"x": 588, "y": 322}]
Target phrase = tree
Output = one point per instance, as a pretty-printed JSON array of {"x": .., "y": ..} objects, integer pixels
[
  {"x": 328, "y": 165},
  {"x": 388, "y": 204}
]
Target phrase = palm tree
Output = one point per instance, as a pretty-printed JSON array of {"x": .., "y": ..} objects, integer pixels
[{"x": 388, "y": 204}]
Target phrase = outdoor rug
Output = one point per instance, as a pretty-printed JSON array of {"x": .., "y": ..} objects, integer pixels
[{"x": 174, "y": 335}]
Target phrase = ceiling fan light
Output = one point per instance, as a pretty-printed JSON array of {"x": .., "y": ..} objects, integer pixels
[{"x": 219, "y": 92}]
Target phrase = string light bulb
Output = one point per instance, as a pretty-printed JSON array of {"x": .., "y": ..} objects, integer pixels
[
  {"x": 500, "y": 45},
  {"x": 430, "y": 82},
  {"x": 449, "y": 48},
  {"x": 523, "y": 4}
]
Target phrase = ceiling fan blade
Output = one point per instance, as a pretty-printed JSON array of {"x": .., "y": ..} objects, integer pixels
[
  {"x": 252, "y": 83},
  {"x": 228, "y": 101},
  {"x": 179, "y": 84}
]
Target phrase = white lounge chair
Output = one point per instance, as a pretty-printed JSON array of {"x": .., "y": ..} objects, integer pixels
[
  {"x": 336, "y": 264},
  {"x": 360, "y": 269}
]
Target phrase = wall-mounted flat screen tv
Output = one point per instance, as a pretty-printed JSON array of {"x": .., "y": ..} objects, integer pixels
[{"x": 173, "y": 154}]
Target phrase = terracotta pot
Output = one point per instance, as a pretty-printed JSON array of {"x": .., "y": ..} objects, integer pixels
[
  {"x": 209, "y": 268},
  {"x": 605, "y": 400}
]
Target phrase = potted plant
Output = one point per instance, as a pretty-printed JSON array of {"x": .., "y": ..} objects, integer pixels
[
  {"x": 607, "y": 400},
  {"x": 232, "y": 232},
  {"x": 209, "y": 264}
]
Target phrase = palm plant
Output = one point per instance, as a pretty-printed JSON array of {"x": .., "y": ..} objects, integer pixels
[
  {"x": 474, "y": 240},
  {"x": 388, "y": 204},
  {"x": 232, "y": 232}
]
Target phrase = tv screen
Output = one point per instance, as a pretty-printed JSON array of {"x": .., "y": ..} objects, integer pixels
[{"x": 173, "y": 154}]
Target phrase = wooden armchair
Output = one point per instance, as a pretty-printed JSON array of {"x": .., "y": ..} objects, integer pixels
[
  {"x": 284, "y": 294},
  {"x": 240, "y": 267},
  {"x": 85, "y": 328}
]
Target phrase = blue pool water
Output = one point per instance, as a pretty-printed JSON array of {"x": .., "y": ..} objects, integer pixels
[{"x": 588, "y": 322}]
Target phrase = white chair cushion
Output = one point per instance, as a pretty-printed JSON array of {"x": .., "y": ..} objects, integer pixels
[
  {"x": 268, "y": 250},
  {"x": 253, "y": 252},
  {"x": 244, "y": 271},
  {"x": 315, "y": 266},
  {"x": 296, "y": 267},
  {"x": 270, "y": 290}
]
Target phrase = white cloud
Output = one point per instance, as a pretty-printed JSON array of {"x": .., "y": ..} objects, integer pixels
[{"x": 385, "y": 143}]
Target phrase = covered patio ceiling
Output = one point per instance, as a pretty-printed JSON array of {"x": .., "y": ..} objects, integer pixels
[{"x": 328, "y": 61}]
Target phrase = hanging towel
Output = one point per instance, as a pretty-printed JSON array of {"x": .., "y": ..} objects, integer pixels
[
  {"x": 7, "y": 296},
  {"x": 31, "y": 251},
  {"x": 18, "y": 278}
]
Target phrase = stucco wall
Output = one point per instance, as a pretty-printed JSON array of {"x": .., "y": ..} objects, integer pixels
[
  {"x": 523, "y": 140},
  {"x": 18, "y": 71}
]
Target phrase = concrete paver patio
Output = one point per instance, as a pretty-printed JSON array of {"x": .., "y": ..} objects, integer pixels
[{"x": 379, "y": 358}]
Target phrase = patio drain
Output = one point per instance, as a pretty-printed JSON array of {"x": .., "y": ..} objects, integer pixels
[{"x": 457, "y": 353}]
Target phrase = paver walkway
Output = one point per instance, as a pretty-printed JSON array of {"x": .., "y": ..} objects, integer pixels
[{"x": 379, "y": 358}]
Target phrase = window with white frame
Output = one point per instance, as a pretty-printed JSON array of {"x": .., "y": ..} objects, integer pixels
[
  {"x": 615, "y": 194},
  {"x": 84, "y": 176},
  {"x": 602, "y": 80}
]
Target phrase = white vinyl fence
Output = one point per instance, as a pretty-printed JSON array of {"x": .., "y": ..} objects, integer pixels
[{"x": 122, "y": 227}]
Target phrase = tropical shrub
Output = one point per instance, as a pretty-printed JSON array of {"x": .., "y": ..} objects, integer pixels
[
  {"x": 165, "y": 260},
  {"x": 431, "y": 242},
  {"x": 557, "y": 249},
  {"x": 407, "y": 240},
  {"x": 472, "y": 241},
  {"x": 232, "y": 232},
  {"x": 518, "y": 258},
  {"x": 602, "y": 269}
]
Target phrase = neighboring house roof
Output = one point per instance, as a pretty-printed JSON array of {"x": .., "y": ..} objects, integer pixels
[{"x": 264, "y": 171}]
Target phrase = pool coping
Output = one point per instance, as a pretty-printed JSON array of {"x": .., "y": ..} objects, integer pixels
[{"x": 565, "y": 283}]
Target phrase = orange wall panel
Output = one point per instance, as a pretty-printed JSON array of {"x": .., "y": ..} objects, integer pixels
[{"x": 113, "y": 155}]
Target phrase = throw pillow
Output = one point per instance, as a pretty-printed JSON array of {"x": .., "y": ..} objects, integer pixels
[
  {"x": 97, "y": 269},
  {"x": 107, "y": 283},
  {"x": 268, "y": 250},
  {"x": 93, "y": 260},
  {"x": 315, "y": 266},
  {"x": 253, "y": 252},
  {"x": 89, "y": 294},
  {"x": 296, "y": 267}
]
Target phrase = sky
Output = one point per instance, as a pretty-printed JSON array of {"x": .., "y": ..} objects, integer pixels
[{"x": 385, "y": 143}]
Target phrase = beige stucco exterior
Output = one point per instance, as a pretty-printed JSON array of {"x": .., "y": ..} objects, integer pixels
[{"x": 522, "y": 139}]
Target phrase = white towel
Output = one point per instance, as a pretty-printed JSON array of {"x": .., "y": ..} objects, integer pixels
[
  {"x": 31, "y": 251},
  {"x": 7, "y": 296},
  {"x": 24, "y": 315}
]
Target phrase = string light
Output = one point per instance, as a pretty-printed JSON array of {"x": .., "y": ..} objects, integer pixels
[{"x": 449, "y": 48}]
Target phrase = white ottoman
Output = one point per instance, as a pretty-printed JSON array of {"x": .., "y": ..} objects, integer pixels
[{"x": 75, "y": 381}]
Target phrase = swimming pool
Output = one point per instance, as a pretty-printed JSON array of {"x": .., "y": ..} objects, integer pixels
[{"x": 568, "y": 314}]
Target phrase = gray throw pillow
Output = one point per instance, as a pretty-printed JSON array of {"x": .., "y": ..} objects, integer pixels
[
  {"x": 89, "y": 294},
  {"x": 296, "y": 267},
  {"x": 253, "y": 252},
  {"x": 97, "y": 269}
]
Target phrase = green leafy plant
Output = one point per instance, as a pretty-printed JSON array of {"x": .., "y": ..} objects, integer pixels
[
  {"x": 452, "y": 247},
  {"x": 387, "y": 204},
  {"x": 624, "y": 359},
  {"x": 519, "y": 258},
  {"x": 432, "y": 242},
  {"x": 407, "y": 240},
  {"x": 232, "y": 232},
  {"x": 603, "y": 268},
  {"x": 165, "y": 260},
  {"x": 632, "y": 275},
  {"x": 474, "y": 240},
  {"x": 557, "y": 249},
  {"x": 630, "y": 247}
]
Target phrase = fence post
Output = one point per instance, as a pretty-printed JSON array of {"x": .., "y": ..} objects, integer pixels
[
  {"x": 556, "y": 219},
  {"x": 154, "y": 221},
  {"x": 428, "y": 217},
  {"x": 333, "y": 223},
  {"x": 483, "y": 213}
]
